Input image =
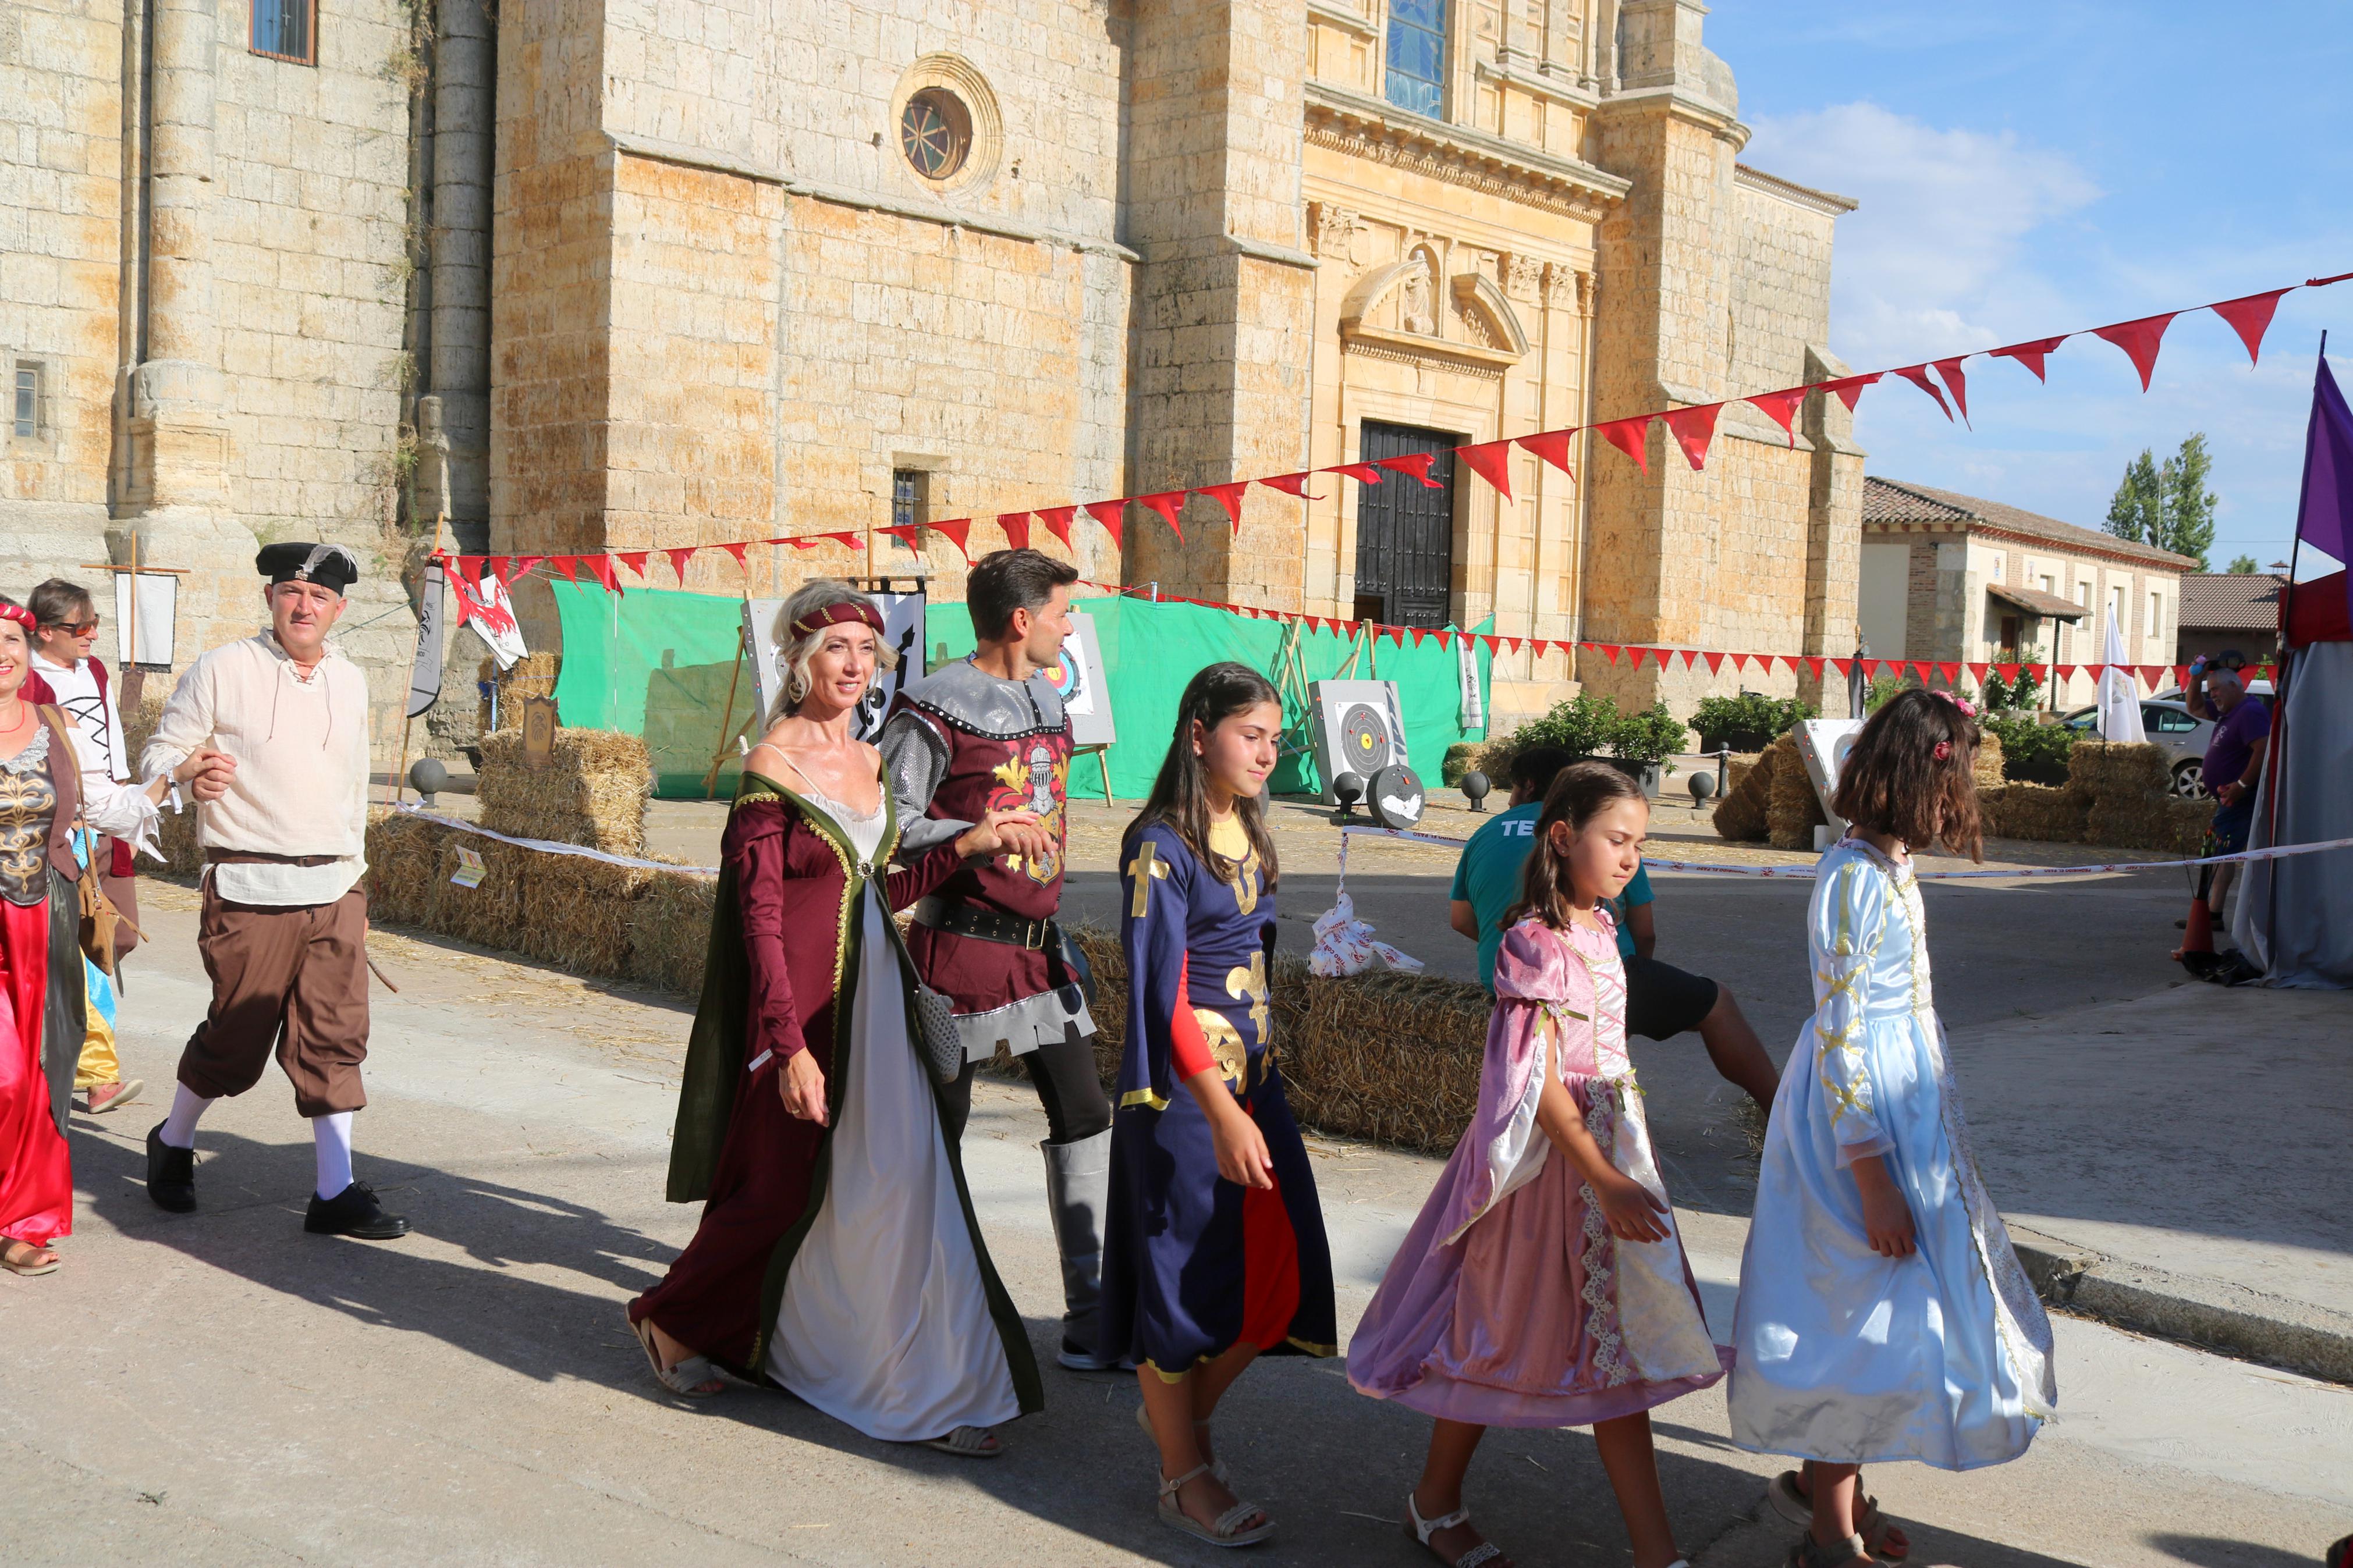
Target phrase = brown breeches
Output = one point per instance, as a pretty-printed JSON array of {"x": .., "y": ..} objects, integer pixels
[{"x": 292, "y": 976}]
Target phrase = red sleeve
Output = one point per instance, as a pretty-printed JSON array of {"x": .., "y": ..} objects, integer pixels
[
  {"x": 774, "y": 1025},
  {"x": 902, "y": 885},
  {"x": 1188, "y": 1052}
]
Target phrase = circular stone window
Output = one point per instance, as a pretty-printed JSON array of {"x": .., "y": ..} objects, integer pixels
[
  {"x": 949, "y": 129},
  {"x": 935, "y": 133}
]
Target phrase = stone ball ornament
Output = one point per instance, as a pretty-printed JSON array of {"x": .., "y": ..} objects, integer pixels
[
  {"x": 1476, "y": 787},
  {"x": 1348, "y": 789},
  {"x": 1702, "y": 785},
  {"x": 427, "y": 777}
]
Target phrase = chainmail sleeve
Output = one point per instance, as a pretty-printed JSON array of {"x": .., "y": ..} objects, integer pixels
[{"x": 916, "y": 757}]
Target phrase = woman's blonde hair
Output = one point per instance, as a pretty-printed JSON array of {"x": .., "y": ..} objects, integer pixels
[{"x": 793, "y": 653}]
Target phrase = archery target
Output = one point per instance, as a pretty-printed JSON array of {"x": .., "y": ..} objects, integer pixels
[{"x": 1364, "y": 739}]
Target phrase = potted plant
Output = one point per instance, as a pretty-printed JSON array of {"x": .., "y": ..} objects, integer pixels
[
  {"x": 1640, "y": 742},
  {"x": 1748, "y": 722}
]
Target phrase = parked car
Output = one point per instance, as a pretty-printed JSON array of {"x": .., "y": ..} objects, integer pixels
[{"x": 2171, "y": 725}]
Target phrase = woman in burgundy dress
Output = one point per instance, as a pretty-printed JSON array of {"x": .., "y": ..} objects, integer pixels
[{"x": 839, "y": 1256}]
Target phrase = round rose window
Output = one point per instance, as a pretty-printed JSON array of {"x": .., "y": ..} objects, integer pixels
[{"x": 935, "y": 133}]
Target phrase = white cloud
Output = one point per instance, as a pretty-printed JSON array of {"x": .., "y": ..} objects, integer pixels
[{"x": 1931, "y": 260}]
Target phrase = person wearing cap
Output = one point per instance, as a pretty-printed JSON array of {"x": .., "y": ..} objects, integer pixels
[
  {"x": 2233, "y": 766},
  {"x": 283, "y": 925}
]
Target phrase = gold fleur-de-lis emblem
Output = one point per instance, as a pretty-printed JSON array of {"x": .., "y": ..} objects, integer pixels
[{"x": 1250, "y": 982}]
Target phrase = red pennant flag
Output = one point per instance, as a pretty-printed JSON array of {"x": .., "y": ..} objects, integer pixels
[
  {"x": 957, "y": 531},
  {"x": 2009, "y": 672},
  {"x": 678, "y": 560},
  {"x": 1714, "y": 661},
  {"x": 1849, "y": 389},
  {"x": 1552, "y": 446},
  {"x": 1977, "y": 672},
  {"x": 2066, "y": 671},
  {"x": 1416, "y": 637},
  {"x": 1108, "y": 513},
  {"x": 564, "y": 564},
  {"x": 1688, "y": 655},
  {"x": 2031, "y": 356},
  {"x": 1926, "y": 673},
  {"x": 2250, "y": 317},
  {"x": 1294, "y": 484},
  {"x": 1414, "y": 463},
  {"x": 1918, "y": 374},
  {"x": 2180, "y": 674},
  {"x": 1951, "y": 672},
  {"x": 1228, "y": 495},
  {"x": 500, "y": 565},
  {"x": 2138, "y": 340},
  {"x": 1781, "y": 408},
  {"x": 845, "y": 538},
  {"x": 2153, "y": 674},
  {"x": 1693, "y": 429},
  {"x": 1955, "y": 383},
  {"x": 802, "y": 541},
  {"x": 1611, "y": 651},
  {"x": 1168, "y": 503},
  {"x": 1396, "y": 635},
  {"x": 737, "y": 550},
  {"x": 634, "y": 560},
  {"x": 906, "y": 533},
  {"x": 1843, "y": 665},
  {"x": 1057, "y": 520},
  {"x": 1630, "y": 436},
  {"x": 1363, "y": 473},
  {"x": 1016, "y": 525},
  {"x": 601, "y": 568},
  {"x": 2097, "y": 671},
  {"x": 1491, "y": 462}
]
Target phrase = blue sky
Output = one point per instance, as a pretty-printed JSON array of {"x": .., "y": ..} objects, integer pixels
[{"x": 2029, "y": 169}]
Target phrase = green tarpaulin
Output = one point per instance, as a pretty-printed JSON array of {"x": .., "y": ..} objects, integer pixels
[{"x": 662, "y": 665}]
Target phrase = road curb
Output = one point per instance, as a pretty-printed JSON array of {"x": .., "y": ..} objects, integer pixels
[{"x": 2213, "y": 1314}]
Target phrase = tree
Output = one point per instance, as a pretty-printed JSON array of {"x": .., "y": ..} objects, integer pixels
[
  {"x": 2167, "y": 506},
  {"x": 2241, "y": 566}
]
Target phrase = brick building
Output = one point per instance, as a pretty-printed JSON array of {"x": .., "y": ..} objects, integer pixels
[{"x": 727, "y": 268}]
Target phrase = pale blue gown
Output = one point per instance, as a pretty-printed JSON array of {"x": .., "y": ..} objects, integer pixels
[{"x": 1845, "y": 1355}]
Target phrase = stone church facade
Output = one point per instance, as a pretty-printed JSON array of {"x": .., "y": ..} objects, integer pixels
[{"x": 583, "y": 275}]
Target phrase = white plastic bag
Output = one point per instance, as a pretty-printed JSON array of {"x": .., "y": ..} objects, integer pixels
[{"x": 1346, "y": 945}]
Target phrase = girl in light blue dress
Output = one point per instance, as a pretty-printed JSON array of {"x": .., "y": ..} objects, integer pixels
[{"x": 1883, "y": 1314}]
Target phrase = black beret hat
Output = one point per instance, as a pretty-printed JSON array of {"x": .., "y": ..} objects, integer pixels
[{"x": 328, "y": 566}]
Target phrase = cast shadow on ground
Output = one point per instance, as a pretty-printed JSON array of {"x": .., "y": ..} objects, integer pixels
[
  {"x": 1332, "y": 1466},
  {"x": 2214, "y": 1551}
]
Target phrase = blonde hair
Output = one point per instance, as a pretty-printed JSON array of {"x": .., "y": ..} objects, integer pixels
[{"x": 793, "y": 653}]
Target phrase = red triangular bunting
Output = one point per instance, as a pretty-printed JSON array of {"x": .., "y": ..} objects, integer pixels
[
  {"x": 957, "y": 531},
  {"x": 1918, "y": 374},
  {"x": 601, "y": 568},
  {"x": 2138, "y": 340},
  {"x": 1552, "y": 446},
  {"x": 2031, "y": 356},
  {"x": 737, "y": 550},
  {"x": 1693, "y": 429},
  {"x": 1293, "y": 484},
  {"x": 2153, "y": 674},
  {"x": 1843, "y": 665},
  {"x": 1611, "y": 650},
  {"x": 1363, "y": 473},
  {"x": 1418, "y": 634},
  {"x": 2179, "y": 674},
  {"x": 1230, "y": 497},
  {"x": 1491, "y": 462},
  {"x": 1414, "y": 463},
  {"x": 1714, "y": 661},
  {"x": 906, "y": 533},
  {"x": 1057, "y": 520},
  {"x": 1016, "y": 525},
  {"x": 1108, "y": 512},
  {"x": 634, "y": 560},
  {"x": 1781, "y": 408},
  {"x": 1688, "y": 655},
  {"x": 1951, "y": 672},
  {"x": 678, "y": 560},
  {"x": 1168, "y": 503},
  {"x": 1630, "y": 436},
  {"x": 2250, "y": 317},
  {"x": 1956, "y": 383},
  {"x": 563, "y": 563},
  {"x": 1849, "y": 389},
  {"x": 2009, "y": 672},
  {"x": 847, "y": 540},
  {"x": 1977, "y": 672}
]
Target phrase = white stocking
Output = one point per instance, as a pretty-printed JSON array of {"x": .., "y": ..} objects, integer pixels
[
  {"x": 180, "y": 1127},
  {"x": 334, "y": 1132}
]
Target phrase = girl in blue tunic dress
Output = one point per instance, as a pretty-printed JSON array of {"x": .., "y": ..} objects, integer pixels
[
  {"x": 1214, "y": 1251},
  {"x": 1883, "y": 1314}
]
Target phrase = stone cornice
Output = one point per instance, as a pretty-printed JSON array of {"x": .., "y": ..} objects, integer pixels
[
  {"x": 1341, "y": 16},
  {"x": 1703, "y": 112},
  {"x": 1539, "y": 82},
  {"x": 1791, "y": 192},
  {"x": 1977, "y": 528},
  {"x": 1366, "y": 128},
  {"x": 1411, "y": 348}
]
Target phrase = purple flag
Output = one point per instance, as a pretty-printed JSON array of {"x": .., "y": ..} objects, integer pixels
[{"x": 2324, "y": 517}]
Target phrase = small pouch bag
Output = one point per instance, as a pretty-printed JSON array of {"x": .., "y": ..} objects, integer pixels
[{"x": 941, "y": 1041}]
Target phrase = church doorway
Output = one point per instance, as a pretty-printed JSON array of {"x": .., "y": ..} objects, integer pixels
[{"x": 1405, "y": 530}]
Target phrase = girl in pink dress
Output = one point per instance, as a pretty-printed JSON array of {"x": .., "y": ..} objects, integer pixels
[{"x": 1543, "y": 1284}]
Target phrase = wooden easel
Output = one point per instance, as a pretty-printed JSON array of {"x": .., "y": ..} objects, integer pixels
[{"x": 1102, "y": 754}]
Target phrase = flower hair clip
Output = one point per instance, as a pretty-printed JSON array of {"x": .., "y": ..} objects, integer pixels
[
  {"x": 1944, "y": 750},
  {"x": 1969, "y": 709}
]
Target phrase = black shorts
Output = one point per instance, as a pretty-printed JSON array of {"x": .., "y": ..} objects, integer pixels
[{"x": 1662, "y": 1001}]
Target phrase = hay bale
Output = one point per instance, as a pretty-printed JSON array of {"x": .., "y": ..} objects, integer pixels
[
  {"x": 2035, "y": 811},
  {"x": 1985, "y": 766},
  {"x": 404, "y": 878},
  {"x": 575, "y": 911},
  {"x": 669, "y": 928},
  {"x": 1740, "y": 814},
  {"x": 533, "y": 675},
  {"x": 488, "y": 914},
  {"x": 2121, "y": 771},
  {"x": 1792, "y": 809},
  {"x": 2163, "y": 823},
  {"x": 591, "y": 793}
]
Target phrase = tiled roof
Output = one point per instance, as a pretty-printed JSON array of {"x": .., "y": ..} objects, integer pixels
[
  {"x": 2230, "y": 599},
  {"x": 1888, "y": 500}
]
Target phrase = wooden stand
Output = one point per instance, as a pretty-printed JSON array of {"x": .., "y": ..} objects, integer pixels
[{"x": 1102, "y": 760}]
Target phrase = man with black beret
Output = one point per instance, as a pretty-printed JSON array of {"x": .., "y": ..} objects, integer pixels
[{"x": 284, "y": 923}]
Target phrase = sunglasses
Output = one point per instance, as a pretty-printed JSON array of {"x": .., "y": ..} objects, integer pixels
[{"x": 77, "y": 628}]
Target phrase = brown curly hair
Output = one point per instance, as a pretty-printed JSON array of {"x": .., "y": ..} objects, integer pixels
[{"x": 1895, "y": 782}]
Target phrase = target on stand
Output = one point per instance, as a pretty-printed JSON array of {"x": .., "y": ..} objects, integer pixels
[{"x": 1364, "y": 738}]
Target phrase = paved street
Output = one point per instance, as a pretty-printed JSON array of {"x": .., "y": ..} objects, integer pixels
[{"x": 221, "y": 1388}]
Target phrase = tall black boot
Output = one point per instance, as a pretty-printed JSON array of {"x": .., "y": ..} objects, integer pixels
[{"x": 1078, "y": 1186}]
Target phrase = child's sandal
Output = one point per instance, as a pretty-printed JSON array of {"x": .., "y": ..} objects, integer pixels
[
  {"x": 1226, "y": 1530},
  {"x": 1217, "y": 1467},
  {"x": 1811, "y": 1554},
  {"x": 1421, "y": 1529},
  {"x": 1795, "y": 1506}
]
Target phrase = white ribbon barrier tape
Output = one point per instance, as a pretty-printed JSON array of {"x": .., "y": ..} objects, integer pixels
[
  {"x": 1806, "y": 873},
  {"x": 551, "y": 848}
]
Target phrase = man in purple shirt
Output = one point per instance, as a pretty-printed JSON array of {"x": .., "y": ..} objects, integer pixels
[{"x": 2233, "y": 765}]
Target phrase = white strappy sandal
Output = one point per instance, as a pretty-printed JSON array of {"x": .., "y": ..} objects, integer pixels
[
  {"x": 968, "y": 1442},
  {"x": 1421, "y": 1529},
  {"x": 1217, "y": 1467},
  {"x": 1225, "y": 1532},
  {"x": 687, "y": 1378}
]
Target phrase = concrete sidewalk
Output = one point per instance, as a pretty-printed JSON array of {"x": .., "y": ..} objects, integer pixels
[{"x": 221, "y": 1388}]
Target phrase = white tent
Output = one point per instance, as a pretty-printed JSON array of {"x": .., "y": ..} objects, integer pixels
[
  {"x": 2119, "y": 696},
  {"x": 2294, "y": 918}
]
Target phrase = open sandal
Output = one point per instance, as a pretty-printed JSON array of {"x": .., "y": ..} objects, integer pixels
[
  {"x": 685, "y": 1379},
  {"x": 1421, "y": 1529},
  {"x": 1217, "y": 1467},
  {"x": 1227, "y": 1530},
  {"x": 1796, "y": 1508},
  {"x": 1811, "y": 1554},
  {"x": 968, "y": 1442},
  {"x": 18, "y": 1257}
]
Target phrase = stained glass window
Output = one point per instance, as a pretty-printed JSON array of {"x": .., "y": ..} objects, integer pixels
[
  {"x": 1416, "y": 56},
  {"x": 935, "y": 133}
]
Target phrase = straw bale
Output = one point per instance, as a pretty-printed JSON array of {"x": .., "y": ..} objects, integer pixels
[
  {"x": 575, "y": 911},
  {"x": 1792, "y": 810},
  {"x": 1740, "y": 814},
  {"x": 1985, "y": 766},
  {"x": 593, "y": 792},
  {"x": 2122, "y": 771},
  {"x": 404, "y": 857},
  {"x": 2034, "y": 811},
  {"x": 489, "y": 914},
  {"x": 2162, "y": 823},
  {"x": 669, "y": 930},
  {"x": 533, "y": 675}
]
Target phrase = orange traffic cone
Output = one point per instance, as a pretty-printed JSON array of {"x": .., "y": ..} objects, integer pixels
[{"x": 2197, "y": 936}]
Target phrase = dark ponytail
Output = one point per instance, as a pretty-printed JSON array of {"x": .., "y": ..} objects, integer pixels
[
  {"x": 1578, "y": 794},
  {"x": 1179, "y": 798}
]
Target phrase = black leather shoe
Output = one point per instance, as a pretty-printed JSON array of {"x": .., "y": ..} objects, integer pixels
[
  {"x": 353, "y": 1211},
  {"x": 171, "y": 1173}
]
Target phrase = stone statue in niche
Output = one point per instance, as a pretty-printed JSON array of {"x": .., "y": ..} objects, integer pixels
[{"x": 1415, "y": 313}]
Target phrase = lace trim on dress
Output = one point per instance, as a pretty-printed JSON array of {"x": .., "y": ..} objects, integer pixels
[
  {"x": 1600, "y": 1292},
  {"x": 35, "y": 753}
]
